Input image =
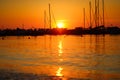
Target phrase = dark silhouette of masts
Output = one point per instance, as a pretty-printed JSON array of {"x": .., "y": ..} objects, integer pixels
[
  {"x": 103, "y": 13},
  {"x": 90, "y": 15},
  {"x": 44, "y": 19},
  {"x": 50, "y": 16},
  {"x": 84, "y": 17},
  {"x": 97, "y": 13}
]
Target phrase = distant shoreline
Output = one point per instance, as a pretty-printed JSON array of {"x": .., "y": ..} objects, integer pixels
[{"x": 60, "y": 31}]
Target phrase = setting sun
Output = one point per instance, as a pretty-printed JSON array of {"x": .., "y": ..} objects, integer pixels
[{"x": 60, "y": 25}]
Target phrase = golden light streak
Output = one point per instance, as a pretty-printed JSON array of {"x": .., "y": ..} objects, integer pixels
[
  {"x": 60, "y": 48},
  {"x": 58, "y": 72}
]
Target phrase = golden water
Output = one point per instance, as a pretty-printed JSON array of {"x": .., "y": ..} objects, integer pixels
[{"x": 89, "y": 56}]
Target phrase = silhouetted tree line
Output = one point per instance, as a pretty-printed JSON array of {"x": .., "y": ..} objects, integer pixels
[{"x": 60, "y": 31}]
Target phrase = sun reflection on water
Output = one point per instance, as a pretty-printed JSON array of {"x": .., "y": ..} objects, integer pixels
[
  {"x": 60, "y": 52},
  {"x": 60, "y": 48},
  {"x": 58, "y": 72}
]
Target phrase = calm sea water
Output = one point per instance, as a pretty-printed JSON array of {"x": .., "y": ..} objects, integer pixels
[{"x": 89, "y": 56}]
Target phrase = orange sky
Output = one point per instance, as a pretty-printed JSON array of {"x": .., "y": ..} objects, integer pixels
[{"x": 14, "y": 13}]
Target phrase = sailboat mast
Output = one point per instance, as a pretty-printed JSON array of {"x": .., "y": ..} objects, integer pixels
[
  {"x": 50, "y": 16},
  {"x": 98, "y": 12},
  {"x": 90, "y": 15},
  {"x": 103, "y": 13},
  {"x": 44, "y": 19},
  {"x": 95, "y": 13},
  {"x": 84, "y": 17}
]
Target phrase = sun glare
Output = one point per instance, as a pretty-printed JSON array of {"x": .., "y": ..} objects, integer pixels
[{"x": 60, "y": 25}]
